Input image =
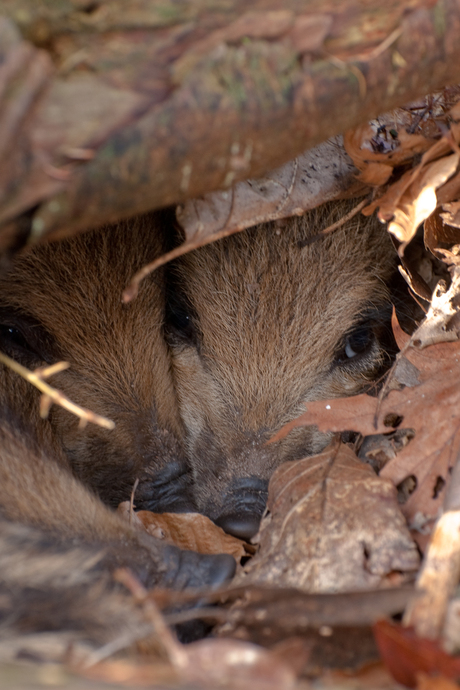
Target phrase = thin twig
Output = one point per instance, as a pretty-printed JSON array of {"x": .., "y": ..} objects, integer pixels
[
  {"x": 335, "y": 226},
  {"x": 52, "y": 395},
  {"x": 174, "y": 650},
  {"x": 131, "y": 501}
]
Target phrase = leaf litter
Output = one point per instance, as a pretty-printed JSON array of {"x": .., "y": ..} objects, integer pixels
[
  {"x": 335, "y": 532},
  {"x": 190, "y": 531},
  {"x": 332, "y": 525},
  {"x": 430, "y": 456}
]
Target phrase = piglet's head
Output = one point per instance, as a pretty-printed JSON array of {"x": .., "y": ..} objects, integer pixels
[{"x": 259, "y": 324}]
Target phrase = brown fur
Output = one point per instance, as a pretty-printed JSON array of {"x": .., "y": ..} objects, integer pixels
[
  {"x": 267, "y": 323},
  {"x": 65, "y": 300},
  {"x": 60, "y": 544}
]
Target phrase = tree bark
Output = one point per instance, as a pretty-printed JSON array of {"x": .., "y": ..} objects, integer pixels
[{"x": 110, "y": 108}]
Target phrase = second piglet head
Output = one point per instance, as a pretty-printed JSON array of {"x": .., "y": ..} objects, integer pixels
[{"x": 260, "y": 323}]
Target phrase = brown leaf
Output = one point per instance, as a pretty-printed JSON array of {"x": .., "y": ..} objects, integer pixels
[
  {"x": 191, "y": 531},
  {"x": 406, "y": 655},
  {"x": 451, "y": 222},
  {"x": 384, "y": 141},
  {"x": 289, "y": 190},
  {"x": 443, "y": 229},
  {"x": 431, "y": 409},
  {"x": 316, "y": 176},
  {"x": 376, "y": 174},
  {"x": 206, "y": 664},
  {"x": 419, "y": 200},
  {"x": 392, "y": 197},
  {"x": 236, "y": 664},
  {"x": 332, "y": 525},
  {"x": 425, "y": 682}
]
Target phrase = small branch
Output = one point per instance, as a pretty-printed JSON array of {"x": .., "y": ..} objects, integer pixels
[
  {"x": 174, "y": 651},
  {"x": 52, "y": 395},
  {"x": 335, "y": 226}
]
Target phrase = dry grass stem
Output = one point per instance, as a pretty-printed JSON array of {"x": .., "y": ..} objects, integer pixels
[{"x": 52, "y": 395}]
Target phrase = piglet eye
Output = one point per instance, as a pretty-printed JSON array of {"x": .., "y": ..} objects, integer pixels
[
  {"x": 357, "y": 342},
  {"x": 12, "y": 336},
  {"x": 180, "y": 322}
]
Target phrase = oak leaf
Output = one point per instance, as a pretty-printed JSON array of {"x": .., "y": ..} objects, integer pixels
[
  {"x": 190, "y": 531},
  {"x": 407, "y": 656},
  {"x": 333, "y": 525},
  {"x": 431, "y": 409}
]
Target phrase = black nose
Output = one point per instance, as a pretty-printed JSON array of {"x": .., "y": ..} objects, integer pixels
[
  {"x": 244, "y": 503},
  {"x": 241, "y": 525}
]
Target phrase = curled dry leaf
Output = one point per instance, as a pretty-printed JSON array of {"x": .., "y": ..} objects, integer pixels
[
  {"x": 442, "y": 323},
  {"x": 396, "y": 138},
  {"x": 406, "y": 194},
  {"x": 190, "y": 531},
  {"x": 419, "y": 200},
  {"x": 318, "y": 175},
  {"x": 442, "y": 229},
  {"x": 377, "y": 147},
  {"x": 332, "y": 525}
]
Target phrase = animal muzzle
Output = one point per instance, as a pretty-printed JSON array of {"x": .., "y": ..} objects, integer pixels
[
  {"x": 168, "y": 490},
  {"x": 244, "y": 502}
]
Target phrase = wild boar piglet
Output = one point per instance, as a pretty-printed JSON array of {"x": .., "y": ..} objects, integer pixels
[
  {"x": 62, "y": 301},
  {"x": 260, "y": 323}
]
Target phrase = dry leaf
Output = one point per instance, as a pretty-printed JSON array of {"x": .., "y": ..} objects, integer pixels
[
  {"x": 407, "y": 656},
  {"x": 430, "y": 409},
  {"x": 319, "y": 175},
  {"x": 190, "y": 531},
  {"x": 442, "y": 322},
  {"x": 194, "y": 532},
  {"x": 210, "y": 663},
  {"x": 377, "y": 147},
  {"x": 442, "y": 229},
  {"x": 333, "y": 525},
  {"x": 425, "y": 682},
  {"x": 419, "y": 200}
]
